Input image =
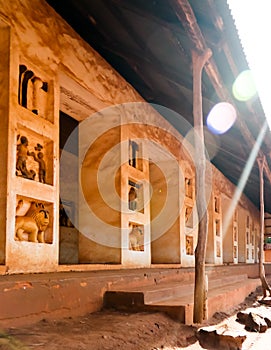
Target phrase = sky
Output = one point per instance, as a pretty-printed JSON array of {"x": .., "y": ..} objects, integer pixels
[{"x": 253, "y": 22}]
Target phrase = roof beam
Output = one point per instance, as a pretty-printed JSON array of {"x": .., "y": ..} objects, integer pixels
[
  {"x": 151, "y": 17},
  {"x": 218, "y": 22},
  {"x": 186, "y": 15},
  {"x": 138, "y": 61}
]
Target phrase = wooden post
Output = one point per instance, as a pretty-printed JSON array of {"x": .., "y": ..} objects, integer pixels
[
  {"x": 265, "y": 285},
  {"x": 200, "y": 292}
]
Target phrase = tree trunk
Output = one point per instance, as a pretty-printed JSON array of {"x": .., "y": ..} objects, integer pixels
[
  {"x": 265, "y": 285},
  {"x": 200, "y": 291}
]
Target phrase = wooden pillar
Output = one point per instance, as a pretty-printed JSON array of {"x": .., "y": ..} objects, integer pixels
[
  {"x": 265, "y": 286},
  {"x": 200, "y": 292}
]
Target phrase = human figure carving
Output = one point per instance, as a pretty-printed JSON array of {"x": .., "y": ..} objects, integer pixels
[
  {"x": 22, "y": 155},
  {"x": 39, "y": 159}
]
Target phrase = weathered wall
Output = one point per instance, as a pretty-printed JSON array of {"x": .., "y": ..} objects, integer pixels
[
  {"x": 103, "y": 207},
  {"x": 227, "y": 232},
  {"x": 4, "y": 110},
  {"x": 66, "y": 58},
  {"x": 165, "y": 248},
  {"x": 68, "y": 62},
  {"x": 33, "y": 23}
]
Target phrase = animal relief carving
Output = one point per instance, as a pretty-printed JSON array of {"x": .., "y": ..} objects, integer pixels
[
  {"x": 136, "y": 239},
  {"x": 32, "y": 226}
]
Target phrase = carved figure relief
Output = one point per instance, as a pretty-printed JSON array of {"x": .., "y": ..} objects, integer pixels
[
  {"x": 32, "y": 91},
  {"x": 235, "y": 233},
  {"x": 132, "y": 198},
  {"x": 136, "y": 238},
  {"x": 21, "y": 162},
  {"x": 39, "y": 159},
  {"x": 136, "y": 196},
  {"x": 32, "y": 225},
  {"x": 189, "y": 245},
  {"x": 235, "y": 252},
  {"x": 188, "y": 187},
  {"x": 188, "y": 217},
  {"x": 22, "y": 155}
]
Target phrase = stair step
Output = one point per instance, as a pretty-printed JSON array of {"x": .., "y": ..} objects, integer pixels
[
  {"x": 177, "y": 299},
  {"x": 161, "y": 291},
  {"x": 226, "y": 280}
]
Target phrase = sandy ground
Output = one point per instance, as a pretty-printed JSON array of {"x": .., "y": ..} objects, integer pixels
[{"x": 118, "y": 330}]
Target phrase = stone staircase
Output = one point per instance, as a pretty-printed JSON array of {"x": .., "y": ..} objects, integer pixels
[{"x": 176, "y": 298}]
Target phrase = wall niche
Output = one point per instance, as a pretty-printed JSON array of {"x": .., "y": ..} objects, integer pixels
[
  {"x": 34, "y": 157},
  {"x": 189, "y": 222},
  {"x": 33, "y": 220},
  {"x": 135, "y": 196},
  {"x": 135, "y": 155},
  {"x": 33, "y": 92},
  {"x": 136, "y": 237}
]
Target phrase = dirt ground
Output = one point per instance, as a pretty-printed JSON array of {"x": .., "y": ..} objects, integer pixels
[{"x": 119, "y": 330}]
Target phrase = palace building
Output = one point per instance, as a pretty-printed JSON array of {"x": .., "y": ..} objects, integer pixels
[{"x": 99, "y": 145}]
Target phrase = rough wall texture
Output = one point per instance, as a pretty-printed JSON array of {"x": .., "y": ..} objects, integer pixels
[
  {"x": 32, "y": 24},
  {"x": 48, "y": 41}
]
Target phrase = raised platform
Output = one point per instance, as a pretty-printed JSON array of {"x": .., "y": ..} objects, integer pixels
[
  {"x": 29, "y": 298},
  {"x": 177, "y": 299}
]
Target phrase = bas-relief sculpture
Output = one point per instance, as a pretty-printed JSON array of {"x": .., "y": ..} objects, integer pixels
[
  {"x": 189, "y": 245},
  {"x": 31, "y": 227},
  {"x": 188, "y": 187},
  {"x": 39, "y": 159},
  {"x": 132, "y": 198},
  {"x": 235, "y": 252},
  {"x": 32, "y": 91},
  {"x": 136, "y": 238},
  {"x": 21, "y": 162},
  {"x": 22, "y": 155}
]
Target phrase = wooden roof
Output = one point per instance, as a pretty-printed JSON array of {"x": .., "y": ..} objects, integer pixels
[{"x": 149, "y": 43}]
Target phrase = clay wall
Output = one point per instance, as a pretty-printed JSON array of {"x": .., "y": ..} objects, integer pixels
[{"x": 42, "y": 77}]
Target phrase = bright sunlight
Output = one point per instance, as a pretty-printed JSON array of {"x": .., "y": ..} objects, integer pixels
[{"x": 252, "y": 19}]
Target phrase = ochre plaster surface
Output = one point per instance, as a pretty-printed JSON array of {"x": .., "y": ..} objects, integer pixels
[{"x": 75, "y": 74}]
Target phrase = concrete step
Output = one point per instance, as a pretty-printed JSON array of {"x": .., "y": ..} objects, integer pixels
[
  {"x": 225, "y": 280},
  {"x": 156, "y": 292},
  {"x": 163, "y": 291},
  {"x": 177, "y": 299}
]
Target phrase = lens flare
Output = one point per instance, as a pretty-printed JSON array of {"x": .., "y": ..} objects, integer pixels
[
  {"x": 244, "y": 87},
  {"x": 221, "y": 118}
]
